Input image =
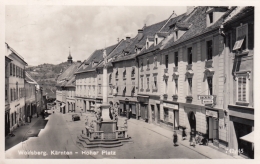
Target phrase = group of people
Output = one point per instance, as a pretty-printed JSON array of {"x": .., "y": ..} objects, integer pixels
[{"x": 184, "y": 136}]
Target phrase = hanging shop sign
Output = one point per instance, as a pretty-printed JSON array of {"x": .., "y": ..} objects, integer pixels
[
  {"x": 206, "y": 102},
  {"x": 212, "y": 113},
  {"x": 172, "y": 106}
]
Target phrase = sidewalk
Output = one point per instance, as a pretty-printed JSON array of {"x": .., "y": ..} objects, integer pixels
[
  {"x": 19, "y": 133},
  {"x": 201, "y": 149}
]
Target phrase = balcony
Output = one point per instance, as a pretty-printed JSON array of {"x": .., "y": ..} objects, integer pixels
[
  {"x": 175, "y": 69},
  {"x": 189, "y": 67},
  {"x": 208, "y": 64},
  {"x": 174, "y": 97}
]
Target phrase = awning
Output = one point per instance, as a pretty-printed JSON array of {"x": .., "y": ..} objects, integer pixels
[
  {"x": 239, "y": 43},
  {"x": 249, "y": 137}
]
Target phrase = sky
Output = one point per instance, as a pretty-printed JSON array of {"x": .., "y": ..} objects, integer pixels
[{"x": 45, "y": 34}]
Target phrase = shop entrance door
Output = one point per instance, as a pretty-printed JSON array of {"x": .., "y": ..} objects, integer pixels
[
  {"x": 192, "y": 121},
  {"x": 158, "y": 113},
  {"x": 153, "y": 113},
  {"x": 212, "y": 128}
]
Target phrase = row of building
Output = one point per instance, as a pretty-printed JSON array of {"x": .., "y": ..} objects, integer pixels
[
  {"x": 23, "y": 96},
  {"x": 192, "y": 71}
]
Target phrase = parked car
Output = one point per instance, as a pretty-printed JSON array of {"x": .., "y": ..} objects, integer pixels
[{"x": 75, "y": 117}]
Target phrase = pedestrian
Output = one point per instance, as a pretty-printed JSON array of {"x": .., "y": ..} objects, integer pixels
[
  {"x": 192, "y": 138},
  {"x": 130, "y": 113},
  {"x": 184, "y": 135},
  {"x": 175, "y": 138}
]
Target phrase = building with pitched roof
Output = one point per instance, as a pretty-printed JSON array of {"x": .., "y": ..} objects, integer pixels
[
  {"x": 238, "y": 31},
  {"x": 15, "y": 91},
  {"x": 65, "y": 92},
  {"x": 86, "y": 80},
  {"x": 7, "y": 97}
]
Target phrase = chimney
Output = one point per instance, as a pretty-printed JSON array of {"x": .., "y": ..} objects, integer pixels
[
  {"x": 128, "y": 38},
  {"x": 79, "y": 61},
  {"x": 140, "y": 34},
  {"x": 189, "y": 9}
]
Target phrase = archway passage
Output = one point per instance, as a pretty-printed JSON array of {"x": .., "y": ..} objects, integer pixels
[{"x": 192, "y": 121}]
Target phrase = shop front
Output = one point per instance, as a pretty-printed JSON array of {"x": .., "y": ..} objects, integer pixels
[
  {"x": 241, "y": 131},
  {"x": 212, "y": 133},
  {"x": 143, "y": 103},
  {"x": 170, "y": 117},
  {"x": 127, "y": 105}
]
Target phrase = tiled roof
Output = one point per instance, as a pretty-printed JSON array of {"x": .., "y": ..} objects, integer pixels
[
  {"x": 198, "y": 21},
  {"x": 162, "y": 34},
  {"x": 238, "y": 12},
  {"x": 97, "y": 56},
  {"x": 183, "y": 25},
  {"x": 117, "y": 51},
  {"x": 71, "y": 82},
  {"x": 67, "y": 74},
  {"x": 29, "y": 79}
]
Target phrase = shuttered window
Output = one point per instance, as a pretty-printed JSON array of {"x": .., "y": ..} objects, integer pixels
[
  {"x": 242, "y": 88},
  {"x": 241, "y": 37}
]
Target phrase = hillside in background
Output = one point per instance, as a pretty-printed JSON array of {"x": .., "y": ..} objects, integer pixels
[{"x": 46, "y": 76}]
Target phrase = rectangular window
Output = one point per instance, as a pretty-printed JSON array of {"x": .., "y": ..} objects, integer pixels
[
  {"x": 176, "y": 58},
  {"x": 210, "y": 86},
  {"x": 155, "y": 82},
  {"x": 190, "y": 86},
  {"x": 166, "y": 61},
  {"x": 11, "y": 69},
  {"x": 211, "y": 17},
  {"x": 209, "y": 50},
  {"x": 147, "y": 82},
  {"x": 190, "y": 55},
  {"x": 155, "y": 61},
  {"x": 176, "y": 86},
  {"x": 242, "y": 88},
  {"x": 156, "y": 41},
  {"x": 142, "y": 83},
  {"x": 166, "y": 85},
  {"x": 99, "y": 89},
  {"x": 176, "y": 33},
  {"x": 6, "y": 94},
  {"x": 11, "y": 91}
]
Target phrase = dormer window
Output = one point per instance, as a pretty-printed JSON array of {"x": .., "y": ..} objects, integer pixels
[
  {"x": 211, "y": 17},
  {"x": 176, "y": 33},
  {"x": 147, "y": 44},
  {"x": 156, "y": 41}
]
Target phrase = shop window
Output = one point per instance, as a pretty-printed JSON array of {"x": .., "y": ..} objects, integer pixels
[
  {"x": 210, "y": 86},
  {"x": 166, "y": 114},
  {"x": 209, "y": 50},
  {"x": 176, "y": 58},
  {"x": 189, "y": 86},
  {"x": 166, "y": 61},
  {"x": 241, "y": 38},
  {"x": 190, "y": 55}
]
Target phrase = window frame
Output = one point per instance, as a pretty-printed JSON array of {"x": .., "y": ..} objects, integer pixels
[
  {"x": 211, "y": 17},
  {"x": 189, "y": 86},
  {"x": 189, "y": 56},
  {"x": 210, "y": 90},
  {"x": 166, "y": 61},
  {"x": 176, "y": 86},
  {"x": 147, "y": 82},
  {"x": 246, "y": 76}
]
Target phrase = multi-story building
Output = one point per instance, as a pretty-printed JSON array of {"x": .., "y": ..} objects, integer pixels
[
  {"x": 7, "y": 97},
  {"x": 30, "y": 97},
  {"x": 65, "y": 91},
  {"x": 86, "y": 81},
  {"x": 150, "y": 77},
  {"x": 238, "y": 31},
  {"x": 192, "y": 65},
  {"x": 16, "y": 91}
]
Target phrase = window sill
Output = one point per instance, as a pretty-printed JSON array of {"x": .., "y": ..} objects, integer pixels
[
  {"x": 242, "y": 103},
  {"x": 189, "y": 97}
]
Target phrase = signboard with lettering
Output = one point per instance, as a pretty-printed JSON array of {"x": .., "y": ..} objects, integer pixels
[
  {"x": 172, "y": 106},
  {"x": 212, "y": 113},
  {"x": 202, "y": 97},
  {"x": 207, "y": 102}
]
